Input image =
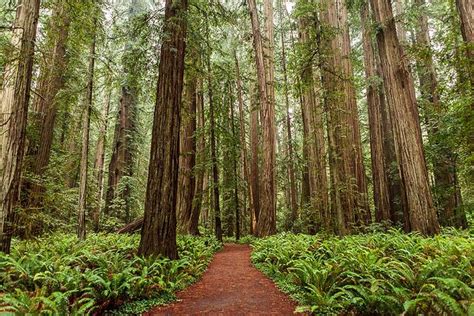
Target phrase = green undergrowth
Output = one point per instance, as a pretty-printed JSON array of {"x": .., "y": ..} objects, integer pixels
[
  {"x": 388, "y": 273},
  {"x": 59, "y": 275},
  {"x": 244, "y": 240}
]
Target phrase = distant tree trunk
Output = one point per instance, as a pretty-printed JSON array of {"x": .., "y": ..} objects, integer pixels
[
  {"x": 187, "y": 157},
  {"x": 215, "y": 170},
  {"x": 375, "y": 103},
  {"x": 266, "y": 224},
  {"x": 121, "y": 161},
  {"x": 404, "y": 117},
  {"x": 122, "y": 166},
  {"x": 236, "y": 177},
  {"x": 199, "y": 171},
  {"x": 291, "y": 158},
  {"x": 254, "y": 172},
  {"x": 100, "y": 159},
  {"x": 51, "y": 81},
  {"x": 313, "y": 140},
  {"x": 443, "y": 164},
  {"x": 15, "y": 95},
  {"x": 83, "y": 174},
  {"x": 158, "y": 236},
  {"x": 243, "y": 142}
]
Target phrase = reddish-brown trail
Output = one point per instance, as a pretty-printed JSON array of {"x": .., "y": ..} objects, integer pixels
[{"x": 230, "y": 286}]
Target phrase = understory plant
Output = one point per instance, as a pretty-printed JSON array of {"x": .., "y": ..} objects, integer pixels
[
  {"x": 59, "y": 275},
  {"x": 379, "y": 273}
]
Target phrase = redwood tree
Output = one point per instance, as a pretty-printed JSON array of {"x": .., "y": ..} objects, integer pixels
[
  {"x": 45, "y": 104},
  {"x": 406, "y": 126},
  {"x": 14, "y": 99},
  {"x": 187, "y": 156},
  {"x": 266, "y": 223},
  {"x": 158, "y": 235}
]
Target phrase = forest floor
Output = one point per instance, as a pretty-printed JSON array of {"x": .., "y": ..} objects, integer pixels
[{"x": 230, "y": 286}]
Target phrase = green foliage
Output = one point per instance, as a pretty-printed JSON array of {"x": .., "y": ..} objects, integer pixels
[
  {"x": 60, "y": 275},
  {"x": 377, "y": 273}
]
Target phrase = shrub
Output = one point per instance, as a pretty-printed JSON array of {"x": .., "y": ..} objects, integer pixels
[
  {"x": 61, "y": 275},
  {"x": 377, "y": 273}
]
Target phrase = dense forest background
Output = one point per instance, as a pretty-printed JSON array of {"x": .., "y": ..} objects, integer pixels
[
  {"x": 334, "y": 136},
  {"x": 333, "y": 164}
]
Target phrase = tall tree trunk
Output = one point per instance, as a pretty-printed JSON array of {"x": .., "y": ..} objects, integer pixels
[
  {"x": 187, "y": 157},
  {"x": 83, "y": 173},
  {"x": 291, "y": 158},
  {"x": 254, "y": 172},
  {"x": 236, "y": 177},
  {"x": 51, "y": 81},
  {"x": 443, "y": 164},
  {"x": 375, "y": 103},
  {"x": 121, "y": 166},
  {"x": 158, "y": 236},
  {"x": 313, "y": 139},
  {"x": 121, "y": 161},
  {"x": 266, "y": 224},
  {"x": 362, "y": 212},
  {"x": 100, "y": 159},
  {"x": 215, "y": 170},
  {"x": 404, "y": 117},
  {"x": 199, "y": 171},
  {"x": 14, "y": 99},
  {"x": 343, "y": 193},
  {"x": 243, "y": 141}
]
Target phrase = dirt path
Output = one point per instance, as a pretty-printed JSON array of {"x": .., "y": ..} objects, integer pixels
[{"x": 230, "y": 286}]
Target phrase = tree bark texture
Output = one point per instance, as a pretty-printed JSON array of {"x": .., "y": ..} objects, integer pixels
[
  {"x": 375, "y": 104},
  {"x": 14, "y": 99},
  {"x": 187, "y": 157},
  {"x": 406, "y": 126},
  {"x": 52, "y": 80},
  {"x": 313, "y": 138},
  {"x": 158, "y": 235},
  {"x": 266, "y": 224}
]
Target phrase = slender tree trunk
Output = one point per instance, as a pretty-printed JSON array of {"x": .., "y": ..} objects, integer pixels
[
  {"x": 236, "y": 177},
  {"x": 158, "y": 236},
  {"x": 14, "y": 99},
  {"x": 83, "y": 174},
  {"x": 266, "y": 224},
  {"x": 187, "y": 158},
  {"x": 243, "y": 141},
  {"x": 100, "y": 159},
  {"x": 254, "y": 172},
  {"x": 404, "y": 117},
  {"x": 291, "y": 158},
  {"x": 200, "y": 161},
  {"x": 215, "y": 170}
]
